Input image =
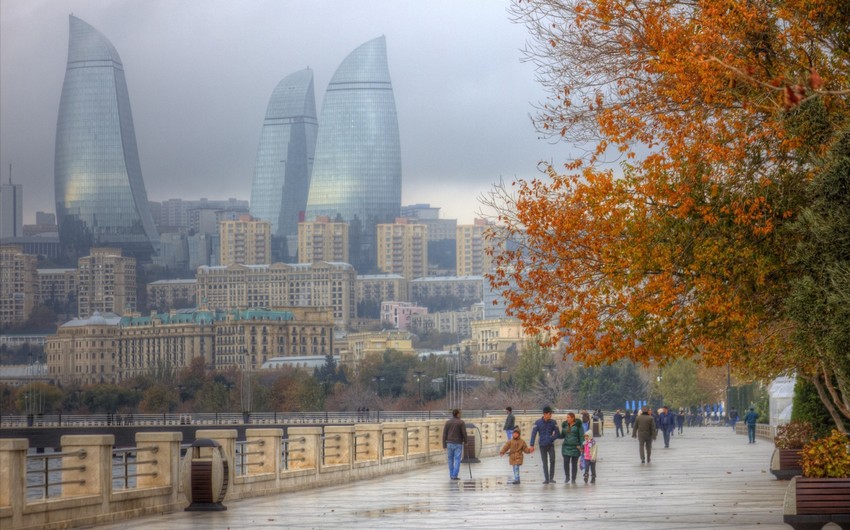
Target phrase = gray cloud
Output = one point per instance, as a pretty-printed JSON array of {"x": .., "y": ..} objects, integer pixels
[{"x": 200, "y": 73}]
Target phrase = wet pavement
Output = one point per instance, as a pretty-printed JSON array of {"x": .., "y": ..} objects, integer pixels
[{"x": 708, "y": 478}]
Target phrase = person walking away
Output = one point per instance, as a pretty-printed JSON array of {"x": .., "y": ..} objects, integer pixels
[
  {"x": 618, "y": 423},
  {"x": 510, "y": 423},
  {"x": 572, "y": 433},
  {"x": 680, "y": 420},
  {"x": 589, "y": 452},
  {"x": 750, "y": 419},
  {"x": 628, "y": 420},
  {"x": 645, "y": 431},
  {"x": 666, "y": 425},
  {"x": 516, "y": 449},
  {"x": 733, "y": 418},
  {"x": 547, "y": 428},
  {"x": 454, "y": 439}
]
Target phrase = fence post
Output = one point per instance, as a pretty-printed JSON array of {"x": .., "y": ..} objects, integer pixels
[
  {"x": 89, "y": 473},
  {"x": 13, "y": 480},
  {"x": 166, "y": 459}
]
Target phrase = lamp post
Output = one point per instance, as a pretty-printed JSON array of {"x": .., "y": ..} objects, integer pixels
[
  {"x": 499, "y": 369},
  {"x": 378, "y": 379},
  {"x": 418, "y": 374}
]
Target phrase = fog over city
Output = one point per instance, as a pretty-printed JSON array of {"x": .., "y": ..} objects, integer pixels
[{"x": 200, "y": 73}]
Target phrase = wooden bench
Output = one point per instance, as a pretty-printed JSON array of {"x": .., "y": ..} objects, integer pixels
[
  {"x": 786, "y": 463},
  {"x": 810, "y": 503}
]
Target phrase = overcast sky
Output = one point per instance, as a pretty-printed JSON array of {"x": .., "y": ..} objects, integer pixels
[{"x": 200, "y": 73}]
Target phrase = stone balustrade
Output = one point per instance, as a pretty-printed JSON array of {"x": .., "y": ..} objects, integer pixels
[{"x": 274, "y": 460}]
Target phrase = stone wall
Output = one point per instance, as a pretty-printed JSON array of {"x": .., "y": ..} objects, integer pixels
[{"x": 269, "y": 461}]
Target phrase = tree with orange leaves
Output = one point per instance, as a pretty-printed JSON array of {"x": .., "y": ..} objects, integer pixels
[{"x": 720, "y": 113}]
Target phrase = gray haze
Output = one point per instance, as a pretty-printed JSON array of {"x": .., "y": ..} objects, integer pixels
[{"x": 200, "y": 73}]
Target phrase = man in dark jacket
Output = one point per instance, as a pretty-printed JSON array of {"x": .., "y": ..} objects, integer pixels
[
  {"x": 454, "y": 438},
  {"x": 666, "y": 423},
  {"x": 547, "y": 428},
  {"x": 618, "y": 423},
  {"x": 645, "y": 431},
  {"x": 750, "y": 419},
  {"x": 510, "y": 423}
]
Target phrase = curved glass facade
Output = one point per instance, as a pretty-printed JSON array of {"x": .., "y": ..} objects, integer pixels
[
  {"x": 357, "y": 172},
  {"x": 100, "y": 195},
  {"x": 285, "y": 155}
]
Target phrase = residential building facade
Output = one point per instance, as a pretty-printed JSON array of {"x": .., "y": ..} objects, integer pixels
[
  {"x": 472, "y": 259},
  {"x": 398, "y": 314},
  {"x": 110, "y": 349},
  {"x": 18, "y": 284},
  {"x": 245, "y": 241},
  {"x": 320, "y": 284},
  {"x": 172, "y": 294},
  {"x": 106, "y": 283},
  {"x": 322, "y": 240},
  {"x": 403, "y": 248}
]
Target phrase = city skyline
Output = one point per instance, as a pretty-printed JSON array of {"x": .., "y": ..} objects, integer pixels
[
  {"x": 462, "y": 94},
  {"x": 357, "y": 172},
  {"x": 285, "y": 155},
  {"x": 100, "y": 193}
]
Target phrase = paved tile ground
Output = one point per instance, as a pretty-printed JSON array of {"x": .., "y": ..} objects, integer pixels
[{"x": 708, "y": 478}]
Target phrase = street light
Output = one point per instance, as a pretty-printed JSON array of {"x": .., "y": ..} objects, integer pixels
[
  {"x": 378, "y": 379},
  {"x": 499, "y": 369},
  {"x": 418, "y": 374}
]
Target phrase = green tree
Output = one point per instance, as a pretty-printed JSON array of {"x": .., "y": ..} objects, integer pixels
[
  {"x": 389, "y": 371},
  {"x": 296, "y": 391},
  {"x": 807, "y": 406},
  {"x": 159, "y": 399},
  {"x": 533, "y": 362},
  {"x": 679, "y": 385},
  {"x": 820, "y": 295}
]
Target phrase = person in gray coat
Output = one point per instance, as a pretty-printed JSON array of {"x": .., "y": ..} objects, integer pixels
[{"x": 645, "y": 431}]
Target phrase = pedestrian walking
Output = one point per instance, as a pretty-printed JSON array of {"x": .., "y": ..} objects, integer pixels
[
  {"x": 666, "y": 424},
  {"x": 516, "y": 449},
  {"x": 750, "y": 419},
  {"x": 572, "y": 433},
  {"x": 510, "y": 422},
  {"x": 454, "y": 439},
  {"x": 589, "y": 449},
  {"x": 628, "y": 420},
  {"x": 645, "y": 431},
  {"x": 618, "y": 423},
  {"x": 680, "y": 420},
  {"x": 733, "y": 418},
  {"x": 547, "y": 428}
]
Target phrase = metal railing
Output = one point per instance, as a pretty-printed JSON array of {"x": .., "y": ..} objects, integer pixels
[
  {"x": 230, "y": 418},
  {"x": 325, "y": 447},
  {"x": 125, "y": 464},
  {"x": 286, "y": 450},
  {"x": 357, "y": 450},
  {"x": 48, "y": 471},
  {"x": 242, "y": 453}
]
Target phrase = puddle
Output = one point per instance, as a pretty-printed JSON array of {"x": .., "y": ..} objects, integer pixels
[{"x": 419, "y": 507}]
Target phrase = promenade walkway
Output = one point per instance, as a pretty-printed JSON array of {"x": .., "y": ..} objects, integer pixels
[{"x": 709, "y": 478}]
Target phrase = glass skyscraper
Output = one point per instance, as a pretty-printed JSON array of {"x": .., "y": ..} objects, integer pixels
[
  {"x": 100, "y": 195},
  {"x": 357, "y": 172},
  {"x": 285, "y": 155}
]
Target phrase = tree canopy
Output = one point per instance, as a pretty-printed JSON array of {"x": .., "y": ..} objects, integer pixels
[{"x": 671, "y": 236}]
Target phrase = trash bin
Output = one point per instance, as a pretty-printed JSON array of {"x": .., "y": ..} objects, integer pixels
[
  {"x": 472, "y": 447},
  {"x": 596, "y": 427},
  {"x": 205, "y": 476}
]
